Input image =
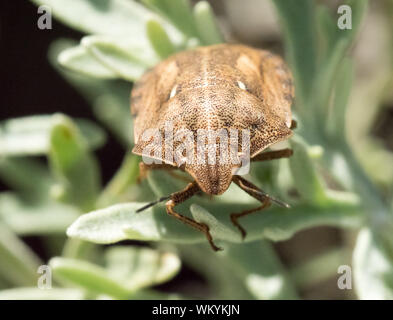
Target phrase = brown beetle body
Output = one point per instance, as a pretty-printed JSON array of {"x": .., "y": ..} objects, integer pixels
[{"x": 217, "y": 87}]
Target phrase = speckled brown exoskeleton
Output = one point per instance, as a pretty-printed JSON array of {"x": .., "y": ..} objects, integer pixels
[{"x": 221, "y": 86}]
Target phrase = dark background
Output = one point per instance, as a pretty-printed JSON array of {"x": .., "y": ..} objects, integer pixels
[{"x": 29, "y": 85}]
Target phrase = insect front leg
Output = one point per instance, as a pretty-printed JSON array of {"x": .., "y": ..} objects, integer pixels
[
  {"x": 254, "y": 192},
  {"x": 145, "y": 168},
  {"x": 181, "y": 196}
]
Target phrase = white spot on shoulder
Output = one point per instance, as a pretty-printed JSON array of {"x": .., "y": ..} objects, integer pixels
[
  {"x": 173, "y": 92},
  {"x": 241, "y": 85}
]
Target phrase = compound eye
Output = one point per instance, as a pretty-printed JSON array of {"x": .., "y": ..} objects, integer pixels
[{"x": 241, "y": 85}]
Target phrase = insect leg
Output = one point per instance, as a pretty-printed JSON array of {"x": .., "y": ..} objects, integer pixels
[
  {"x": 181, "y": 196},
  {"x": 144, "y": 169},
  {"x": 254, "y": 192},
  {"x": 271, "y": 155}
]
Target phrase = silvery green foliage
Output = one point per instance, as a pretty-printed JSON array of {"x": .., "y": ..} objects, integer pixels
[{"x": 122, "y": 39}]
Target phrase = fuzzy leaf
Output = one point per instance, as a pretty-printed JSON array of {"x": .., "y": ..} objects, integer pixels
[
  {"x": 111, "y": 111},
  {"x": 127, "y": 58},
  {"x": 208, "y": 30},
  {"x": 162, "y": 184},
  {"x": 141, "y": 267},
  {"x": 125, "y": 176},
  {"x": 177, "y": 11},
  {"x": 30, "y": 135},
  {"x": 304, "y": 173},
  {"x": 320, "y": 267},
  {"x": 297, "y": 21},
  {"x": 261, "y": 270},
  {"x": 13, "y": 172},
  {"x": 79, "y": 59},
  {"x": 121, "y": 222},
  {"x": 220, "y": 230},
  {"x": 373, "y": 272},
  {"x": 18, "y": 263},
  {"x": 74, "y": 166},
  {"x": 338, "y": 42},
  {"x": 113, "y": 18},
  {"x": 337, "y": 116},
  {"x": 88, "y": 276},
  {"x": 109, "y": 99},
  {"x": 42, "y": 218},
  {"x": 159, "y": 39},
  {"x": 40, "y": 294}
]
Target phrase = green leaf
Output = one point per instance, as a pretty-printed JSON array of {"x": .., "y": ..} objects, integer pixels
[
  {"x": 261, "y": 270},
  {"x": 327, "y": 28},
  {"x": 30, "y": 135},
  {"x": 319, "y": 268},
  {"x": 79, "y": 59},
  {"x": 125, "y": 176},
  {"x": 305, "y": 177},
  {"x": 338, "y": 42},
  {"x": 18, "y": 263},
  {"x": 162, "y": 184},
  {"x": 114, "y": 17},
  {"x": 359, "y": 9},
  {"x": 89, "y": 87},
  {"x": 208, "y": 30},
  {"x": 13, "y": 172},
  {"x": 121, "y": 222},
  {"x": 114, "y": 112},
  {"x": 94, "y": 136},
  {"x": 41, "y": 218},
  {"x": 159, "y": 39},
  {"x": 337, "y": 114},
  {"x": 156, "y": 295},
  {"x": 128, "y": 270},
  {"x": 42, "y": 294},
  {"x": 205, "y": 261},
  {"x": 88, "y": 276},
  {"x": 177, "y": 11},
  {"x": 4, "y": 284},
  {"x": 373, "y": 273},
  {"x": 298, "y": 24},
  {"x": 127, "y": 58},
  {"x": 141, "y": 267},
  {"x": 109, "y": 99},
  {"x": 324, "y": 82},
  {"x": 75, "y": 168},
  {"x": 114, "y": 221},
  {"x": 218, "y": 229}
]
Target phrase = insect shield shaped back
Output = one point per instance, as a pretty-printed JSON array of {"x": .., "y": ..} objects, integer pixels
[{"x": 222, "y": 87}]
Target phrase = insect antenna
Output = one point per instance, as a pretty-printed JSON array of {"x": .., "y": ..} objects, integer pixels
[
  {"x": 153, "y": 203},
  {"x": 275, "y": 200}
]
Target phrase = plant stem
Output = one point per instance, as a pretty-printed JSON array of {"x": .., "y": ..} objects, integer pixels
[
  {"x": 378, "y": 215},
  {"x": 378, "y": 212},
  {"x": 223, "y": 282},
  {"x": 124, "y": 177},
  {"x": 320, "y": 268}
]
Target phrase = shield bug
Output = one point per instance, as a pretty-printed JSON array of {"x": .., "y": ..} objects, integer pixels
[{"x": 216, "y": 88}]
